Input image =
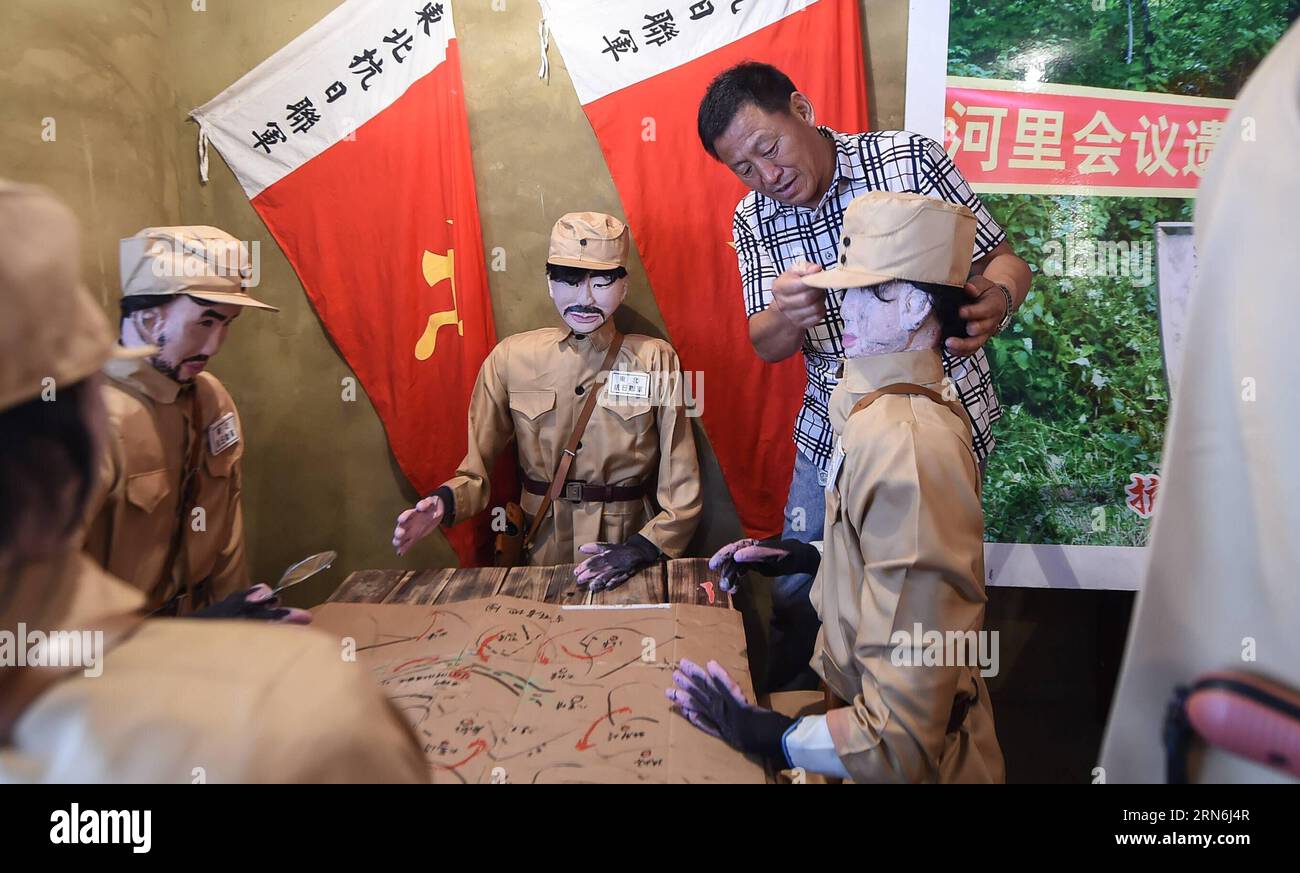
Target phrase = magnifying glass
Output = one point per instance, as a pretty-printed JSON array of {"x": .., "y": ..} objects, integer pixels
[
  {"x": 305, "y": 569},
  {"x": 299, "y": 572}
]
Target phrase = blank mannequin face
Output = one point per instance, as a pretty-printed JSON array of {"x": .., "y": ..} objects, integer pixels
[{"x": 882, "y": 319}]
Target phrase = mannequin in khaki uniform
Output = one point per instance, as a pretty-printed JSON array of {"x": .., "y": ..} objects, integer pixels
[
  {"x": 156, "y": 700},
  {"x": 168, "y": 517},
  {"x": 904, "y": 528},
  {"x": 638, "y": 441}
]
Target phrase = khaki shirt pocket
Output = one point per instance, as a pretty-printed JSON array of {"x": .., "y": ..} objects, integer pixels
[
  {"x": 145, "y": 491},
  {"x": 632, "y": 418},
  {"x": 528, "y": 407}
]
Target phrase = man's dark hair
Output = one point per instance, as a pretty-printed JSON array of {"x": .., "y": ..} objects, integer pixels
[
  {"x": 751, "y": 82},
  {"x": 945, "y": 301},
  {"x": 137, "y": 302},
  {"x": 575, "y": 275},
  {"x": 44, "y": 444}
]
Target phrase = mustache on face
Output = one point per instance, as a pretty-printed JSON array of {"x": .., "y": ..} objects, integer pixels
[{"x": 584, "y": 310}]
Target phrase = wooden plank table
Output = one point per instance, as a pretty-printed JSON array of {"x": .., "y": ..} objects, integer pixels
[{"x": 686, "y": 580}]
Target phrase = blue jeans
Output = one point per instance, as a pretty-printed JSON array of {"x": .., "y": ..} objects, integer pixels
[{"x": 793, "y": 632}]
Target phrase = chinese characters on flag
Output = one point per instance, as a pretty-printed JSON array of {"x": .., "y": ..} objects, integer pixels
[
  {"x": 352, "y": 144},
  {"x": 1013, "y": 137}
]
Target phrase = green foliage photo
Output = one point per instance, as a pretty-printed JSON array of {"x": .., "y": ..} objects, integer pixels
[{"x": 1080, "y": 372}]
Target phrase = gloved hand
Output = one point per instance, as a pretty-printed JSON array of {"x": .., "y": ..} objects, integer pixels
[
  {"x": 614, "y": 563},
  {"x": 257, "y": 603},
  {"x": 770, "y": 557},
  {"x": 713, "y": 702}
]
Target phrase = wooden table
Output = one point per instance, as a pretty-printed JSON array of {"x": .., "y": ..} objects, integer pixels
[{"x": 688, "y": 580}]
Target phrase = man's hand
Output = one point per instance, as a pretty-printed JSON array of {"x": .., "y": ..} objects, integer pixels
[
  {"x": 713, "y": 702},
  {"x": 770, "y": 557},
  {"x": 803, "y": 305},
  {"x": 614, "y": 563},
  {"x": 257, "y": 603},
  {"x": 417, "y": 523},
  {"x": 982, "y": 316}
]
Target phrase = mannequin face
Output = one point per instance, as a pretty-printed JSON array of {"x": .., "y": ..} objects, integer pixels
[
  {"x": 589, "y": 304},
  {"x": 875, "y": 326},
  {"x": 187, "y": 332}
]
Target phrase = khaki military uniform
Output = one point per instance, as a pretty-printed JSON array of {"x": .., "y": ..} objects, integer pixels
[
  {"x": 158, "y": 468},
  {"x": 187, "y": 699},
  {"x": 904, "y": 545},
  {"x": 532, "y": 388}
]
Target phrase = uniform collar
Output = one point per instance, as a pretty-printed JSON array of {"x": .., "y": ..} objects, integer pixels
[
  {"x": 866, "y": 374},
  {"x": 598, "y": 340},
  {"x": 141, "y": 375}
]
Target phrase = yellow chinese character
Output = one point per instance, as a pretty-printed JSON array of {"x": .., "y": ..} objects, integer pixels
[
  {"x": 1038, "y": 140},
  {"x": 1102, "y": 146},
  {"x": 1200, "y": 144},
  {"x": 977, "y": 136},
  {"x": 1158, "y": 158}
]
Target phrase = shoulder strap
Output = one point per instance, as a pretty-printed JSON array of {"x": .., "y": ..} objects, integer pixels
[
  {"x": 911, "y": 388},
  {"x": 29, "y": 683},
  {"x": 571, "y": 447}
]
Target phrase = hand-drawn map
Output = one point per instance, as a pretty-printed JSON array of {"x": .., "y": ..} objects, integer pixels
[{"x": 503, "y": 689}]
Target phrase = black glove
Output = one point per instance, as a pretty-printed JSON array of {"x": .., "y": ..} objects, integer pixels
[
  {"x": 713, "y": 702},
  {"x": 770, "y": 557},
  {"x": 255, "y": 603},
  {"x": 612, "y": 564}
]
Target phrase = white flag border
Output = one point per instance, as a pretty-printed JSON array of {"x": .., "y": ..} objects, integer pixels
[
  {"x": 229, "y": 118},
  {"x": 579, "y": 36}
]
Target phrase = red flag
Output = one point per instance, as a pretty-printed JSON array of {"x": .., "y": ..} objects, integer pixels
[
  {"x": 640, "y": 75},
  {"x": 353, "y": 146}
]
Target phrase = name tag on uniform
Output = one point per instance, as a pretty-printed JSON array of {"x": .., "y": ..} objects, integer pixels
[
  {"x": 837, "y": 460},
  {"x": 629, "y": 383},
  {"x": 222, "y": 433}
]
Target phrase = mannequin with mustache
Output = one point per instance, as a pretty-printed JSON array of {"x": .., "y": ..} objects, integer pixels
[
  {"x": 631, "y": 493},
  {"x": 186, "y": 331}
]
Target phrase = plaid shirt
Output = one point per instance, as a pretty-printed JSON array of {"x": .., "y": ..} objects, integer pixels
[{"x": 771, "y": 237}]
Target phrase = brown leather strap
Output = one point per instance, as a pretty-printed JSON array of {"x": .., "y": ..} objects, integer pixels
[
  {"x": 23, "y": 685},
  {"x": 588, "y": 492},
  {"x": 911, "y": 388},
  {"x": 571, "y": 447}
]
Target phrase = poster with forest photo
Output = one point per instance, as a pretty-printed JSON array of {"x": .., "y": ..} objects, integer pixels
[{"x": 1085, "y": 126}]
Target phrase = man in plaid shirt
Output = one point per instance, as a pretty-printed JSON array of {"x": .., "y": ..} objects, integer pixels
[{"x": 801, "y": 178}]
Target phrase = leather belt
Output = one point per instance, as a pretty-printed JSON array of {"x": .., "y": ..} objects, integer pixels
[{"x": 578, "y": 491}]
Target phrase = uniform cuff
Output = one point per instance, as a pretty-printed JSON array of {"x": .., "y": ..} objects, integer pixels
[
  {"x": 808, "y": 745},
  {"x": 448, "y": 504}
]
